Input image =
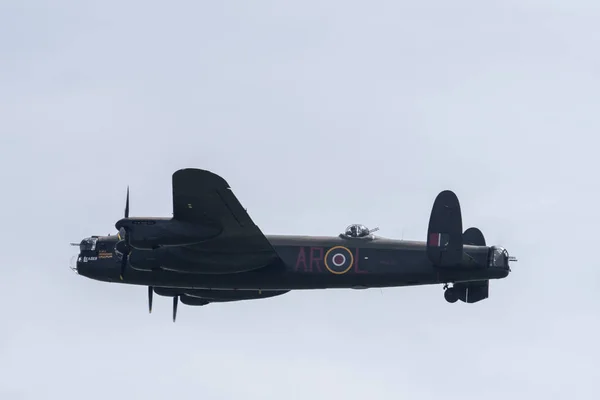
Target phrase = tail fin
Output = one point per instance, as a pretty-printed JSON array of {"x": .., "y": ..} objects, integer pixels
[
  {"x": 445, "y": 235},
  {"x": 474, "y": 237}
]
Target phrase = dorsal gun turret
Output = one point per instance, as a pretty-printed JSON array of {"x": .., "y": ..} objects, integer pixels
[{"x": 358, "y": 231}]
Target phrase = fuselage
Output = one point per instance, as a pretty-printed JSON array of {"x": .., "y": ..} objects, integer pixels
[{"x": 306, "y": 262}]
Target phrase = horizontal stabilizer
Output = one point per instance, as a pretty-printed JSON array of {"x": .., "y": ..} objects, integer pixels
[
  {"x": 473, "y": 236},
  {"x": 445, "y": 235},
  {"x": 472, "y": 292}
]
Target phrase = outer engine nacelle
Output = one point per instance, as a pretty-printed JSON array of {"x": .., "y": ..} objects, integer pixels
[{"x": 151, "y": 233}]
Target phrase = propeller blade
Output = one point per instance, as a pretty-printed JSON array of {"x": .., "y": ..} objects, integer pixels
[
  {"x": 127, "y": 204},
  {"x": 150, "y": 292},
  {"x": 175, "y": 300},
  {"x": 121, "y": 245},
  {"x": 123, "y": 266}
]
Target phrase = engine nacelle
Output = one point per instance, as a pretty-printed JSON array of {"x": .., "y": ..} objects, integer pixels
[
  {"x": 193, "y": 301},
  {"x": 233, "y": 295},
  {"x": 167, "y": 292},
  {"x": 200, "y": 297},
  {"x": 188, "y": 260},
  {"x": 151, "y": 233}
]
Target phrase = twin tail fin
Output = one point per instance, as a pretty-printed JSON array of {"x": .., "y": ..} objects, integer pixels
[{"x": 445, "y": 237}]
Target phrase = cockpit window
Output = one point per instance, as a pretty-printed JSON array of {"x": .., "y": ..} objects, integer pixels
[{"x": 88, "y": 244}]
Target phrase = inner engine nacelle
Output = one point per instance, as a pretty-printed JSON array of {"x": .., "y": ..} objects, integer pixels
[
  {"x": 188, "y": 260},
  {"x": 204, "y": 296},
  {"x": 232, "y": 295}
]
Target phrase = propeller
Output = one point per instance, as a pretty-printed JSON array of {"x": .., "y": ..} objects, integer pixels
[
  {"x": 127, "y": 204},
  {"x": 122, "y": 246},
  {"x": 175, "y": 300},
  {"x": 150, "y": 292}
]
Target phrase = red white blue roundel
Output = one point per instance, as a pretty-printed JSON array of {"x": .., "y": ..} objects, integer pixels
[{"x": 339, "y": 260}]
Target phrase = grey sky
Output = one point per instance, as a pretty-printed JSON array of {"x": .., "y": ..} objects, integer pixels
[{"x": 319, "y": 114}]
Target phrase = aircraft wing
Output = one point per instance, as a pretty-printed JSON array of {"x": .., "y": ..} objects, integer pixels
[{"x": 200, "y": 196}]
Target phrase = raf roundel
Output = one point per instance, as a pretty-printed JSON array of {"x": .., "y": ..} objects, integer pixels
[{"x": 339, "y": 260}]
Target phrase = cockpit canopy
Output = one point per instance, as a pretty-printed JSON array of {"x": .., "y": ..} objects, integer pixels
[
  {"x": 358, "y": 231},
  {"x": 88, "y": 244}
]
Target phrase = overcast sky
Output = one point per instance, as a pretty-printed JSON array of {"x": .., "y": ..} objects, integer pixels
[{"x": 319, "y": 114}]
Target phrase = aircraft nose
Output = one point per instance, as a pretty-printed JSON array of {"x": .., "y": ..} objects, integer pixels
[
  {"x": 94, "y": 268},
  {"x": 73, "y": 263}
]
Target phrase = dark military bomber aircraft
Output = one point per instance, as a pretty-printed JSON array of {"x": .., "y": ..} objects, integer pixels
[{"x": 210, "y": 251}]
